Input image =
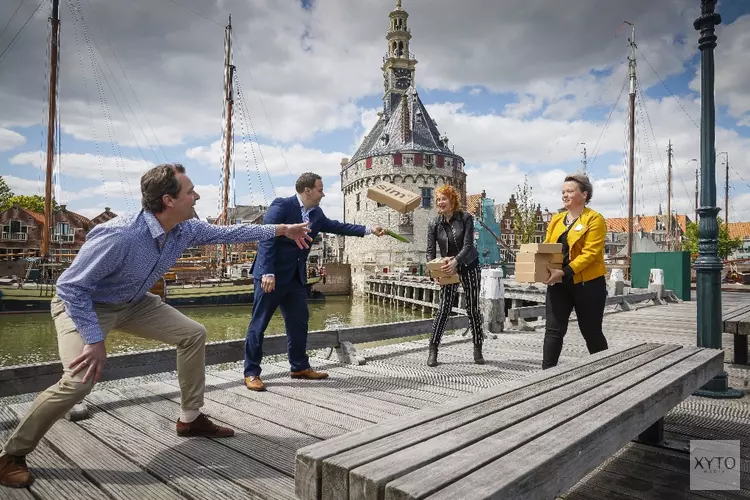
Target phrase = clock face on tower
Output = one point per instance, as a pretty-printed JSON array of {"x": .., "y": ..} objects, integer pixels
[{"x": 401, "y": 78}]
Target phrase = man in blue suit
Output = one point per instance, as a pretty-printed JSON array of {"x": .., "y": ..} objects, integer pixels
[{"x": 281, "y": 269}]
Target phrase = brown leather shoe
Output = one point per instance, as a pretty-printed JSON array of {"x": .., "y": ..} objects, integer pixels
[
  {"x": 202, "y": 426},
  {"x": 309, "y": 374},
  {"x": 255, "y": 384},
  {"x": 14, "y": 473}
]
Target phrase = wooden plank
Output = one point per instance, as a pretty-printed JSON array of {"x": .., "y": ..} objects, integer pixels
[
  {"x": 238, "y": 467},
  {"x": 22, "y": 379},
  {"x": 384, "y": 331},
  {"x": 495, "y": 434},
  {"x": 237, "y": 398},
  {"x": 350, "y": 379},
  {"x": 117, "y": 476},
  {"x": 8, "y": 422},
  {"x": 447, "y": 460},
  {"x": 328, "y": 394},
  {"x": 276, "y": 455},
  {"x": 299, "y": 409},
  {"x": 36, "y": 377},
  {"x": 308, "y": 465},
  {"x": 540, "y": 311},
  {"x": 736, "y": 312},
  {"x": 264, "y": 430},
  {"x": 190, "y": 477},
  {"x": 553, "y": 463}
]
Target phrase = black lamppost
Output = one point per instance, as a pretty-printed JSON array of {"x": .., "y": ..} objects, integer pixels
[{"x": 708, "y": 266}]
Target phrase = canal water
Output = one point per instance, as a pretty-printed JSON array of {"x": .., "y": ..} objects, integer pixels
[{"x": 30, "y": 338}]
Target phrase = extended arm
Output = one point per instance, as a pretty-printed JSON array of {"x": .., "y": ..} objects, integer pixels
[{"x": 344, "y": 229}]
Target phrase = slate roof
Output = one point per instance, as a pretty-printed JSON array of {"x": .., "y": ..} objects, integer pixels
[{"x": 387, "y": 135}]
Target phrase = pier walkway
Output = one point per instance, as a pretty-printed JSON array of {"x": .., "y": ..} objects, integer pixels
[{"x": 128, "y": 448}]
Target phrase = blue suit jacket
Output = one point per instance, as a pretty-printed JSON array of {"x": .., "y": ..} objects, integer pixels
[{"x": 281, "y": 256}]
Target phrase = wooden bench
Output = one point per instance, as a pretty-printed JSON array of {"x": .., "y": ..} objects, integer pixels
[
  {"x": 737, "y": 322},
  {"x": 532, "y": 438}
]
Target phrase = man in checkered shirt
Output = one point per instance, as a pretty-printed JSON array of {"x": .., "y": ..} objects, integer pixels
[{"x": 107, "y": 287}]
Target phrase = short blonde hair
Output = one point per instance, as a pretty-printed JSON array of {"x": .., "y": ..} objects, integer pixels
[
  {"x": 449, "y": 192},
  {"x": 584, "y": 184}
]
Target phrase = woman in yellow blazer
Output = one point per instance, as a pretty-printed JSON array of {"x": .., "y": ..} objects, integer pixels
[{"x": 581, "y": 284}]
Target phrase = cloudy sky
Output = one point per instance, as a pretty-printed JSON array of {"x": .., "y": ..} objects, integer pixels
[{"x": 516, "y": 85}]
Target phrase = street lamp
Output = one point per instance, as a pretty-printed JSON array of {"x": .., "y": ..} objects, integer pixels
[{"x": 708, "y": 266}]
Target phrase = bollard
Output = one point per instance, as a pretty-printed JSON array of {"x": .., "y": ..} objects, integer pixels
[
  {"x": 492, "y": 301},
  {"x": 656, "y": 284},
  {"x": 617, "y": 282}
]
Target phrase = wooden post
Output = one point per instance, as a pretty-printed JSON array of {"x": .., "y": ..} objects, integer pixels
[{"x": 492, "y": 301}]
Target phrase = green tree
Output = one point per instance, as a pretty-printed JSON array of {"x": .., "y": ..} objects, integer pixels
[
  {"x": 5, "y": 192},
  {"x": 524, "y": 218},
  {"x": 35, "y": 203},
  {"x": 727, "y": 245}
]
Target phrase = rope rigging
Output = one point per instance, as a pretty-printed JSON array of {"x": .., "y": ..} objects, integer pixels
[{"x": 98, "y": 76}]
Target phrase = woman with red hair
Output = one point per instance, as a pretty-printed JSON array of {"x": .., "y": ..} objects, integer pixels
[{"x": 452, "y": 231}]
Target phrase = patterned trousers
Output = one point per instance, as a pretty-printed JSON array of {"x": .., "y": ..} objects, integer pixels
[{"x": 470, "y": 281}]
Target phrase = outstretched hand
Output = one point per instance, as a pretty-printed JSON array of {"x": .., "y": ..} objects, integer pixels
[
  {"x": 379, "y": 231},
  {"x": 298, "y": 233}
]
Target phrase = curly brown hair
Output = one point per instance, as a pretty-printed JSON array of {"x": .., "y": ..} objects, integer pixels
[{"x": 449, "y": 192}]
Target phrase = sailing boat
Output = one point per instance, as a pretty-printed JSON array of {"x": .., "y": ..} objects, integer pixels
[{"x": 233, "y": 286}]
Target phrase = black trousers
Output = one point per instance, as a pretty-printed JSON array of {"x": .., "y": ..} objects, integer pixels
[
  {"x": 471, "y": 282},
  {"x": 588, "y": 299}
]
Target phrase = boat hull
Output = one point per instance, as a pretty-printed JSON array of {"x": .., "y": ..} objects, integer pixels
[{"x": 16, "y": 300}]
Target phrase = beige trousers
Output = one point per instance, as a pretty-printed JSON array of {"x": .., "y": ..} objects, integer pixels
[{"x": 148, "y": 317}]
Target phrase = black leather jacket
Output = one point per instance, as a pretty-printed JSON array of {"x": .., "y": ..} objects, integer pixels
[{"x": 462, "y": 224}]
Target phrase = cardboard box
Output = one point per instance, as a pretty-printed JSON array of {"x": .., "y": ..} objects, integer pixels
[
  {"x": 540, "y": 258},
  {"x": 434, "y": 268},
  {"x": 448, "y": 280},
  {"x": 534, "y": 272},
  {"x": 532, "y": 267},
  {"x": 395, "y": 197},
  {"x": 540, "y": 276},
  {"x": 541, "y": 248}
]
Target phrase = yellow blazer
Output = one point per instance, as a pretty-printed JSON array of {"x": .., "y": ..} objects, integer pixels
[{"x": 586, "y": 243}]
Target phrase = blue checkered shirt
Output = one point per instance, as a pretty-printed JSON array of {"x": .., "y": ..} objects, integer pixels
[{"x": 124, "y": 257}]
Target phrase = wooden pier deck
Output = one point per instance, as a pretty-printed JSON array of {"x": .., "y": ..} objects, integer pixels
[{"x": 128, "y": 449}]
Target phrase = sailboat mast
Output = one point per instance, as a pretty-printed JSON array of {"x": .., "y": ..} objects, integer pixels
[
  {"x": 229, "y": 101},
  {"x": 631, "y": 154},
  {"x": 53, "y": 55},
  {"x": 669, "y": 196}
]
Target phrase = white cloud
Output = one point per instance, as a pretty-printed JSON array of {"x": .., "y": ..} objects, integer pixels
[
  {"x": 732, "y": 71},
  {"x": 271, "y": 160},
  {"x": 10, "y": 139}
]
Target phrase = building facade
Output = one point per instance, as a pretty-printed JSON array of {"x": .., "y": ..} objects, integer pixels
[
  {"x": 404, "y": 148},
  {"x": 22, "y": 230}
]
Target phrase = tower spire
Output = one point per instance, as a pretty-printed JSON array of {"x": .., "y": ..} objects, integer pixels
[{"x": 398, "y": 62}]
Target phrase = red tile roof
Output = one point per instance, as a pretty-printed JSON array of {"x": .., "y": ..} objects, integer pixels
[
  {"x": 739, "y": 229},
  {"x": 647, "y": 223},
  {"x": 37, "y": 217}
]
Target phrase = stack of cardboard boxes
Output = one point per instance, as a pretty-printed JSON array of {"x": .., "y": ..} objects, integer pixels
[
  {"x": 534, "y": 260},
  {"x": 436, "y": 273}
]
